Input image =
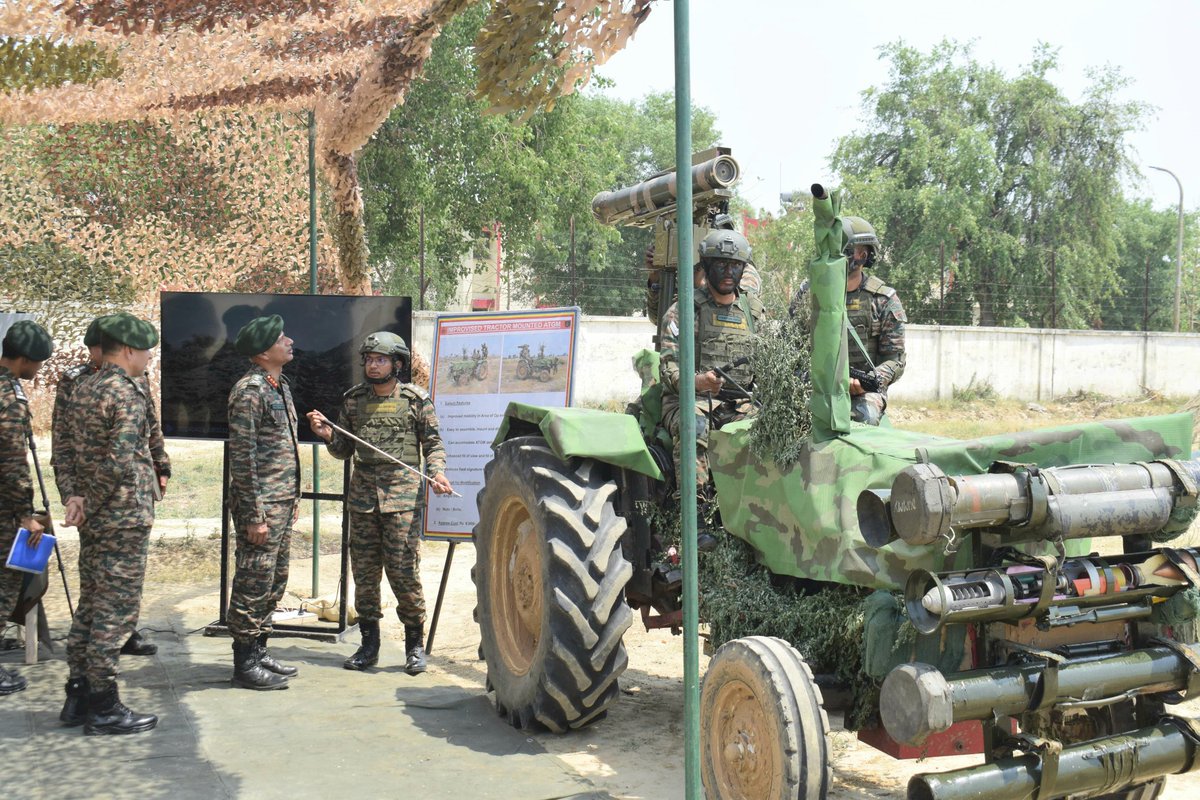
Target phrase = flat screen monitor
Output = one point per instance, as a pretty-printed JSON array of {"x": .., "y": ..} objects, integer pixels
[{"x": 200, "y": 366}]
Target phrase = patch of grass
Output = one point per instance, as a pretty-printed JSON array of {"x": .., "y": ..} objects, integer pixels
[{"x": 974, "y": 390}]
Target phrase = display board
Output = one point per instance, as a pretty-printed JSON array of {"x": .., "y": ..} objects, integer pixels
[
  {"x": 482, "y": 362},
  {"x": 200, "y": 366}
]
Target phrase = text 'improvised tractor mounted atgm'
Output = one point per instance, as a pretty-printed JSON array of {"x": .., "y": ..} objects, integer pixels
[{"x": 989, "y": 625}]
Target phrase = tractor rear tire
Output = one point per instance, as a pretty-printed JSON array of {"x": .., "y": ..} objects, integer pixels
[
  {"x": 763, "y": 732},
  {"x": 550, "y": 582}
]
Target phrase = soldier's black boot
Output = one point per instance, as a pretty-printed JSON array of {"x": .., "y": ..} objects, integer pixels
[
  {"x": 74, "y": 711},
  {"x": 367, "y": 654},
  {"x": 249, "y": 674},
  {"x": 138, "y": 646},
  {"x": 414, "y": 649},
  {"x": 706, "y": 540},
  {"x": 269, "y": 663},
  {"x": 107, "y": 715},
  {"x": 10, "y": 682}
]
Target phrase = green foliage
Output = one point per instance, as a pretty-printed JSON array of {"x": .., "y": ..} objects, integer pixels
[
  {"x": 468, "y": 170},
  {"x": 782, "y": 247},
  {"x": 781, "y": 364},
  {"x": 976, "y": 389},
  {"x": 1146, "y": 245},
  {"x": 37, "y": 63},
  {"x": 740, "y": 598},
  {"x": 1004, "y": 171}
]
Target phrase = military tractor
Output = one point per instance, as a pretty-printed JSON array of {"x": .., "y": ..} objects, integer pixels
[{"x": 992, "y": 626}]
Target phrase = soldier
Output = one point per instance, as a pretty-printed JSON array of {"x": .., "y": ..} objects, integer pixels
[
  {"x": 385, "y": 499},
  {"x": 264, "y": 477},
  {"x": 876, "y": 317},
  {"x": 725, "y": 322},
  {"x": 61, "y": 443},
  {"x": 112, "y": 504},
  {"x": 26, "y": 345}
]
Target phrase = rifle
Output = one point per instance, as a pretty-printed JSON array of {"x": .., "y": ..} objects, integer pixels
[
  {"x": 723, "y": 373},
  {"x": 869, "y": 381}
]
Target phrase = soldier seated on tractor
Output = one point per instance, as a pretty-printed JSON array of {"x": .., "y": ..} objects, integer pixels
[
  {"x": 725, "y": 322},
  {"x": 876, "y": 324}
]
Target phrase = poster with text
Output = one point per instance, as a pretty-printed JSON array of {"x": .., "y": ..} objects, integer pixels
[{"x": 481, "y": 363}]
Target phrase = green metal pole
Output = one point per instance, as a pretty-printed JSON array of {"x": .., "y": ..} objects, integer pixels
[
  {"x": 312, "y": 289},
  {"x": 687, "y": 402}
]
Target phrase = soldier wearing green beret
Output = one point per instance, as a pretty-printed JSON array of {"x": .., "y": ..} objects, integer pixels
[
  {"x": 264, "y": 476},
  {"x": 112, "y": 504},
  {"x": 26, "y": 345},
  {"x": 63, "y": 462}
]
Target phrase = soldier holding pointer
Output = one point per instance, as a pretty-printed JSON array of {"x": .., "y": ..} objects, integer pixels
[
  {"x": 264, "y": 475},
  {"x": 385, "y": 499}
]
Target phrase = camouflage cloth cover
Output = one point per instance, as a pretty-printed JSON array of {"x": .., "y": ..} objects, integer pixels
[
  {"x": 803, "y": 520},
  {"x": 611, "y": 438}
]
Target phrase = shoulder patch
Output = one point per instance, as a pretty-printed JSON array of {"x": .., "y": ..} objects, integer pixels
[
  {"x": 414, "y": 391},
  {"x": 76, "y": 371},
  {"x": 875, "y": 285},
  {"x": 355, "y": 390}
]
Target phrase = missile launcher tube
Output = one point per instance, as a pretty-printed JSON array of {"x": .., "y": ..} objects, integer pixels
[
  {"x": 917, "y": 700},
  {"x": 1090, "y": 768},
  {"x": 1068, "y": 502},
  {"x": 658, "y": 194}
]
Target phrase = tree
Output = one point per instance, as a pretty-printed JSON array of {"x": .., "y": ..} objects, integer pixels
[
  {"x": 1006, "y": 172},
  {"x": 1145, "y": 298}
]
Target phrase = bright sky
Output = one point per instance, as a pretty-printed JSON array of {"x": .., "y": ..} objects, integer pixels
[{"x": 784, "y": 76}]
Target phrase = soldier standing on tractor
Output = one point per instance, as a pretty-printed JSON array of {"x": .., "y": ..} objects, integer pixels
[
  {"x": 725, "y": 322},
  {"x": 385, "y": 499},
  {"x": 876, "y": 318}
]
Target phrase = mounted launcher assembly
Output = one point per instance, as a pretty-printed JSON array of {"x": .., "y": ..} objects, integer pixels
[{"x": 1035, "y": 684}]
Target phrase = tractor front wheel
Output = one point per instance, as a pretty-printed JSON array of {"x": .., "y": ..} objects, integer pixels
[{"x": 764, "y": 734}]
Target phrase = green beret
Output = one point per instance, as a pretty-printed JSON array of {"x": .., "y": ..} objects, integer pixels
[
  {"x": 128, "y": 330},
  {"x": 258, "y": 335},
  {"x": 27, "y": 338},
  {"x": 92, "y": 337}
]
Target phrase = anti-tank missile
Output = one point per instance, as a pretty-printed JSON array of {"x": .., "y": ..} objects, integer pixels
[
  {"x": 1108, "y": 764},
  {"x": 1058, "y": 502},
  {"x": 917, "y": 700},
  {"x": 1017, "y": 591},
  {"x": 641, "y": 203}
]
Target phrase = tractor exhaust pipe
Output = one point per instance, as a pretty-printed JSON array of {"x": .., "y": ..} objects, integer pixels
[{"x": 1100, "y": 766}]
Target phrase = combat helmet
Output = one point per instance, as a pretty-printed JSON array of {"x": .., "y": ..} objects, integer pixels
[
  {"x": 725, "y": 244},
  {"x": 388, "y": 344},
  {"x": 860, "y": 232}
]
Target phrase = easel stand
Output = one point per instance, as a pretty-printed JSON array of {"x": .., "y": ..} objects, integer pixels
[
  {"x": 324, "y": 632},
  {"x": 437, "y": 607}
]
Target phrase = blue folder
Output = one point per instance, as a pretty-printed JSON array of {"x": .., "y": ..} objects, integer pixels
[{"x": 30, "y": 559}]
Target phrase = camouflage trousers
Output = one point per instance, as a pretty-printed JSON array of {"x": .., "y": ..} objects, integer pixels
[
  {"x": 868, "y": 407},
  {"x": 387, "y": 543},
  {"x": 706, "y": 421},
  {"x": 10, "y": 579},
  {"x": 261, "y": 576},
  {"x": 112, "y": 569}
]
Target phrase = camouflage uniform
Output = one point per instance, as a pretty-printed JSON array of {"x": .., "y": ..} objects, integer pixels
[
  {"x": 264, "y": 476},
  {"x": 877, "y": 316},
  {"x": 109, "y": 431},
  {"x": 16, "y": 487},
  {"x": 385, "y": 499},
  {"x": 723, "y": 334},
  {"x": 751, "y": 283},
  {"x": 61, "y": 458}
]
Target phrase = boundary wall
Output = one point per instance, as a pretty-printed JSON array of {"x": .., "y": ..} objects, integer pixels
[{"x": 1024, "y": 363}]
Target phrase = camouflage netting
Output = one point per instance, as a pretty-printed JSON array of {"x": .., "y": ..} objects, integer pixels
[
  {"x": 851, "y": 633},
  {"x": 351, "y": 61}
]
